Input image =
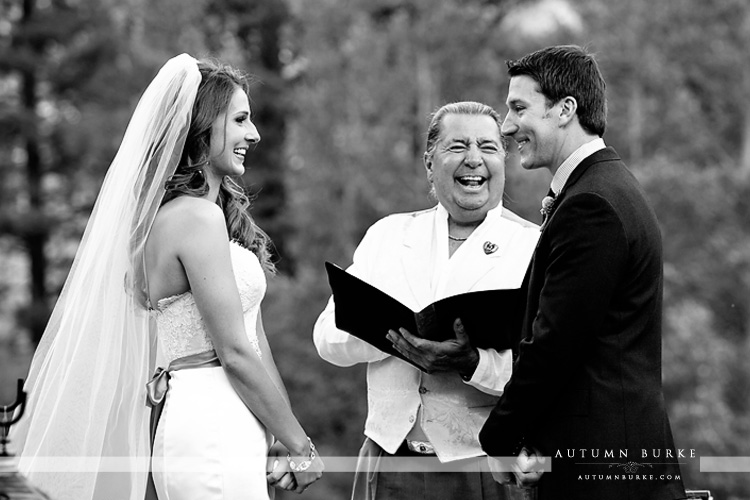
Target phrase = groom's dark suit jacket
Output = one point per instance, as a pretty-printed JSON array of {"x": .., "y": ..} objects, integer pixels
[{"x": 588, "y": 377}]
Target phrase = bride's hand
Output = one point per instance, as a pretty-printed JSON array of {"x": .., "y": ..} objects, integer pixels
[
  {"x": 279, "y": 475},
  {"x": 305, "y": 479}
]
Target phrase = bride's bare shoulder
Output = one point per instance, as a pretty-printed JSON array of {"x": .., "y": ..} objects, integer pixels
[
  {"x": 189, "y": 210},
  {"x": 188, "y": 217}
]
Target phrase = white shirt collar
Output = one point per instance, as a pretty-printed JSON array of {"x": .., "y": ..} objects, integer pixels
[{"x": 572, "y": 161}]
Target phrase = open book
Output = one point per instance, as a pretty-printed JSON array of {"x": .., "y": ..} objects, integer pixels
[{"x": 491, "y": 318}]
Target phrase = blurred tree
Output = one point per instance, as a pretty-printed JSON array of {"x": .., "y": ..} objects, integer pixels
[
  {"x": 42, "y": 49},
  {"x": 248, "y": 34},
  {"x": 676, "y": 76},
  {"x": 707, "y": 283},
  {"x": 71, "y": 73},
  {"x": 367, "y": 75}
]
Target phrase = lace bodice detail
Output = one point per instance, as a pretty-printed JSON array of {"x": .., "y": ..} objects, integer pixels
[{"x": 181, "y": 329}]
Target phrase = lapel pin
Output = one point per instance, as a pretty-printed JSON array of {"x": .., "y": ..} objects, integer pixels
[{"x": 489, "y": 247}]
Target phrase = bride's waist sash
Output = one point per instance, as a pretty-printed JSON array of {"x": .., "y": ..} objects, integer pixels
[{"x": 157, "y": 387}]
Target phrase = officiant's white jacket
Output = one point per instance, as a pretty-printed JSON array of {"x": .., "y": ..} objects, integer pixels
[{"x": 406, "y": 256}]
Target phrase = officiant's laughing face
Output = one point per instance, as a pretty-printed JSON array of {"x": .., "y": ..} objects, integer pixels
[{"x": 467, "y": 167}]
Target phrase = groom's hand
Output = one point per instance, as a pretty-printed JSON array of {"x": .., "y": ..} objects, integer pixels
[
  {"x": 527, "y": 468},
  {"x": 455, "y": 355}
]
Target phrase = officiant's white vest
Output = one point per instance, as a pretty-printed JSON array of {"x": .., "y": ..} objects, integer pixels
[{"x": 452, "y": 411}]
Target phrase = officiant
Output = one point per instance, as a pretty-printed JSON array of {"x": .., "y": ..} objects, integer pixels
[{"x": 467, "y": 242}]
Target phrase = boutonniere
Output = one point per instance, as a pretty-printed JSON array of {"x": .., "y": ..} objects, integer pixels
[{"x": 548, "y": 203}]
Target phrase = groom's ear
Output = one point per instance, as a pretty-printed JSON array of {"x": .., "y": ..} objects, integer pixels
[{"x": 568, "y": 110}]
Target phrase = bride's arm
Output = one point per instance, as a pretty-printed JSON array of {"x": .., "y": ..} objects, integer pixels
[
  {"x": 273, "y": 371},
  {"x": 203, "y": 250},
  {"x": 279, "y": 475}
]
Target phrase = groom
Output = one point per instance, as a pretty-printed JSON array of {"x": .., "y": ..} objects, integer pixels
[{"x": 586, "y": 389}]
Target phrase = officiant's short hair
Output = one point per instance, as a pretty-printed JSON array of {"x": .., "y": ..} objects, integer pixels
[{"x": 460, "y": 108}]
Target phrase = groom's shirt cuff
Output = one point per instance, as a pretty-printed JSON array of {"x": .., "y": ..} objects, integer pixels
[{"x": 493, "y": 371}]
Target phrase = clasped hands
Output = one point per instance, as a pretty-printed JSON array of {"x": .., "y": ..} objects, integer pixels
[
  {"x": 279, "y": 474},
  {"x": 525, "y": 472},
  {"x": 449, "y": 355}
]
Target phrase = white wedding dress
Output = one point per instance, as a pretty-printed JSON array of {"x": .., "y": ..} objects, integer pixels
[{"x": 208, "y": 445}]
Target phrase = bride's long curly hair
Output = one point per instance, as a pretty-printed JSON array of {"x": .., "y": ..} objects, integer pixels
[{"x": 218, "y": 84}]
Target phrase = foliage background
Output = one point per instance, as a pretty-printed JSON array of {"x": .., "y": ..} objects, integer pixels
[{"x": 345, "y": 88}]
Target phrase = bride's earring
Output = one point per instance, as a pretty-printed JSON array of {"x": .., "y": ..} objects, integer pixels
[{"x": 199, "y": 178}]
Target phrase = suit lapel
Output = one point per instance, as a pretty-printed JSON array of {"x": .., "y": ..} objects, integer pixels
[{"x": 606, "y": 154}]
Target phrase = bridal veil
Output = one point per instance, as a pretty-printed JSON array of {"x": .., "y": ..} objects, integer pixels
[{"x": 85, "y": 432}]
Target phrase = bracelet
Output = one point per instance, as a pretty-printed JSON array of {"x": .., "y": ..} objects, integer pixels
[{"x": 304, "y": 464}]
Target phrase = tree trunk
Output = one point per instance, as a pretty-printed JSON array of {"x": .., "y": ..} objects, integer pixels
[{"x": 34, "y": 237}]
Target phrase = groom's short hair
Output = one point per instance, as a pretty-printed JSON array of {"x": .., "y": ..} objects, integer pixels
[{"x": 568, "y": 70}]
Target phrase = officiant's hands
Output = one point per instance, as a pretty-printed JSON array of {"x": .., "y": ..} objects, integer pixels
[{"x": 455, "y": 355}]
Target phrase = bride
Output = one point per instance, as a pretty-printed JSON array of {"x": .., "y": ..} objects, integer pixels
[{"x": 172, "y": 226}]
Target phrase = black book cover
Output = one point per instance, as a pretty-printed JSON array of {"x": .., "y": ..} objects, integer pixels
[{"x": 491, "y": 318}]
